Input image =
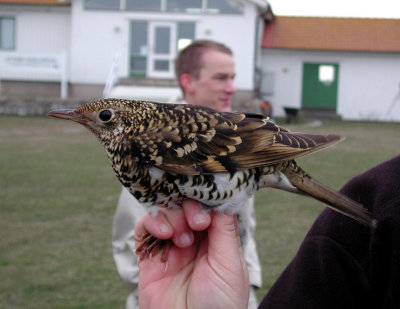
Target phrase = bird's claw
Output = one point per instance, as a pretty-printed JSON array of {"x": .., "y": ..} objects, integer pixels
[{"x": 150, "y": 246}]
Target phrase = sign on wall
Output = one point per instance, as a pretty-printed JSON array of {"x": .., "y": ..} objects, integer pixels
[{"x": 35, "y": 67}]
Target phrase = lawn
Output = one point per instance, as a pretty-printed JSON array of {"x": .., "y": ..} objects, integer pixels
[{"x": 58, "y": 196}]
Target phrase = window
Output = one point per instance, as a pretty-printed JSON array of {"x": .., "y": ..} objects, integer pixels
[
  {"x": 7, "y": 33},
  {"x": 326, "y": 74},
  {"x": 184, "y": 6},
  {"x": 185, "y": 35},
  {"x": 138, "y": 48},
  {"x": 209, "y": 6},
  {"x": 154, "y": 46},
  {"x": 102, "y": 4},
  {"x": 224, "y": 6},
  {"x": 160, "y": 61},
  {"x": 141, "y": 5},
  {"x": 179, "y": 6}
]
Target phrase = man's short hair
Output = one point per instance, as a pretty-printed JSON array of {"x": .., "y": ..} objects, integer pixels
[{"x": 189, "y": 59}]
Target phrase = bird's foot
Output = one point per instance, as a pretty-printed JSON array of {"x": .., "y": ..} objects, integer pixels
[{"x": 150, "y": 246}]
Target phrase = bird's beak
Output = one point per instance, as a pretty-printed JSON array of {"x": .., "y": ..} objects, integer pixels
[{"x": 68, "y": 114}]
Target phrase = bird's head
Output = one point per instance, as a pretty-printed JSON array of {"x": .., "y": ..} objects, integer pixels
[{"x": 110, "y": 120}]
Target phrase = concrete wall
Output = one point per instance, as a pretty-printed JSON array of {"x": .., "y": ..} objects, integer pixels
[
  {"x": 368, "y": 82},
  {"x": 24, "y": 107}
]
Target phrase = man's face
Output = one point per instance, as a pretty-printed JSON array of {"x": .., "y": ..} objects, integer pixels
[{"x": 214, "y": 86}]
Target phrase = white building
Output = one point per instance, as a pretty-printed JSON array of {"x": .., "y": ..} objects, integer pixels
[
  {"x": 348, "y": 66},
  {"x": 342, "y": 65},
  {"x": 137, "y": 39},
  {"x": 34, "y": 45}
]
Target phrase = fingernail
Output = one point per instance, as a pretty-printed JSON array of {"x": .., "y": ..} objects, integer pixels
[
  {"x": 185, "y": 239},
  {"x": 199, "y": 219},
  {"x": 164, "y": 228}
]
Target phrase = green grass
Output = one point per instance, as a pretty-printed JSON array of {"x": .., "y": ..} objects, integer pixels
[
  {"x": 57, "y": 199},
  {"x": 58, "y": 196}
]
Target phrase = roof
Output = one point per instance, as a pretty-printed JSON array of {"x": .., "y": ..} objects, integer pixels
[
  {"x": 326, "y": 33},
  {"x": 37, "y": 2}
]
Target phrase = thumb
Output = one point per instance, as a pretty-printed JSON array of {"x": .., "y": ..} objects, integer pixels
[
  {"x": 226, "y": 258},
  {"x": 223, "y": 237}
]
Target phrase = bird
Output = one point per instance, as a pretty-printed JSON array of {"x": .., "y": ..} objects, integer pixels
[{"x": 163, "y": 153}]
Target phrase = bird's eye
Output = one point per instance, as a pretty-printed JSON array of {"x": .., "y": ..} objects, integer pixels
[{"x": 105, "y": 115}]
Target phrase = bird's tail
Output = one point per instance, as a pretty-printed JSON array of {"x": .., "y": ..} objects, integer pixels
[{"x": 332, "y": 198}]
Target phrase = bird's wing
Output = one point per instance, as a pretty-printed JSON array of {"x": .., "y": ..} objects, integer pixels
[
  {"x": 286, "y": 146},
  {"x": 199, "y": 140},
  {"x": 185, "y": 137},
  {"x": 265, "y": 143}
]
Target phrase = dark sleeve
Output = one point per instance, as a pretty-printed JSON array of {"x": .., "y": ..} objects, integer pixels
[
  {"x": 323, "y": 274},
  {"x": 342, "y": 264}
]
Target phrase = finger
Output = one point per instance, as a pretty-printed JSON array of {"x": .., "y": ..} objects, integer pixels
[
  {"x": 226, "y": 257},
  {"x": 182, "y": 234},
  {"x": 157, "y": 226},
  {"x": 197, "y": 218},
  {"x": 224, "y": 235},
  {"x": 168, "y": 224}
]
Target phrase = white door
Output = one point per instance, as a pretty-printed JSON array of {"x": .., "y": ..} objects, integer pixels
[{"x": 162, "y": 49}]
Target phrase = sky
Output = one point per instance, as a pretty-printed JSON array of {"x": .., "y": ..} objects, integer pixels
[{"x": 337, "y": 8}]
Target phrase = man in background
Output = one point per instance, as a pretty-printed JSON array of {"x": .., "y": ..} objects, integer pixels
[{"x": 205, "y": 71}]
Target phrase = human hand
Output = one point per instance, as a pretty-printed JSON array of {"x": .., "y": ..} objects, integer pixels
[{"x": 205, "y": 266}]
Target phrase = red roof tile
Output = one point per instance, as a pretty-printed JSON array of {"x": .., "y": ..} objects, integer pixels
[{"x": 323, "y": 33}]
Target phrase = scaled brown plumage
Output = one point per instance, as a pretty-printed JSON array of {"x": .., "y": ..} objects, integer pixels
[{"x": 165, "y": 152}]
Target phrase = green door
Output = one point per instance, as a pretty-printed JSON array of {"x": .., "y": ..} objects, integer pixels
[{"x": 320, "y": 85}]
